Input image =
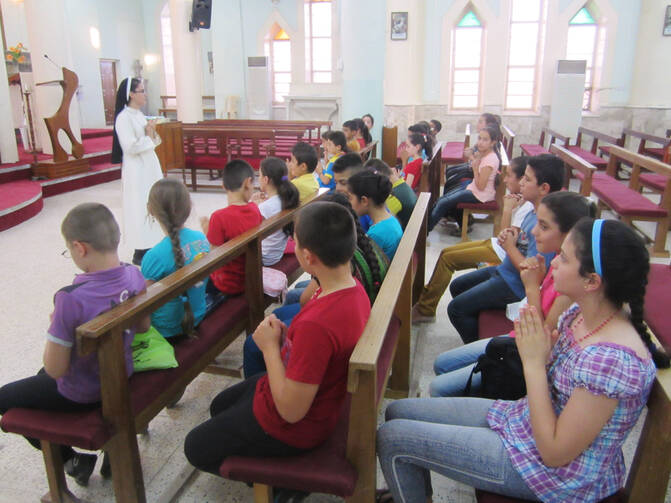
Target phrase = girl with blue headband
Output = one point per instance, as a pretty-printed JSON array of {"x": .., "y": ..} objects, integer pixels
[{"x": 587, "y": 383}]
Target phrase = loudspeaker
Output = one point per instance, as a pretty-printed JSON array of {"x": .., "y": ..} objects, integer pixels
[{"x": 201, "y": 13}]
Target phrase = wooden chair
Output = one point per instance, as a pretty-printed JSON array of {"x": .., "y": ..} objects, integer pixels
[{"x": 345, "y": 465}]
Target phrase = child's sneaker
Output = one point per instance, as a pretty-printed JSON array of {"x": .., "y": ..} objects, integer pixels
[{"x": 80, "y": 467}]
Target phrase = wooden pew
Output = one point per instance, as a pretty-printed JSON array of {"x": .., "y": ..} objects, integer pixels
[
  {"x": 508, "y": 140},
  {"x": 453, "y": 151},
  {"x": 493, "y": 208},
  {"x": 345, "y": 465},
  {"x": 166, "y": 109},
  {"x": 389, "y": 145},
  {"x": 592, "y": 155},
  {"x": 531, "y": 149},
  {"x": 313, "y": 127},
  {"x": 128, "y": 405},
  {"x": 429, "y": 180},
  {"x": 652, "y": 181},
  {"x": 584, "y": 171}
]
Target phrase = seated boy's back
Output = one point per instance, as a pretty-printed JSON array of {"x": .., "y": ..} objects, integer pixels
[{"x": 238, "y": 217}]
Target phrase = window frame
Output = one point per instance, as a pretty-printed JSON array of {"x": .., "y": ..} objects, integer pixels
[
  {"x": 309, "y": 39},
  {"x": 269, "y": 42},
  {"x": 167, "y": 81},
  {"x": 480, "y": 69},
  {"x": 589, "y": 86}
]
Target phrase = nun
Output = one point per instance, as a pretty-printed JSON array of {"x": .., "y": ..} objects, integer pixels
[{"x": 135, "y": 139}]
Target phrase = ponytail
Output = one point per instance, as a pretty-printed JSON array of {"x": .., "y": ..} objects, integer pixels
[
  {"x": 276, "y": 171},
  {"x": 428, "y": 141},
  {"x": 374, "y": 186},
  {"x": 361, "y": 126}
]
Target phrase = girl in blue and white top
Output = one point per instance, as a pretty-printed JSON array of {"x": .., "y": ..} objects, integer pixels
[
  {"x": 280, "y": 194},
  {"x": 169, "y": 203}
]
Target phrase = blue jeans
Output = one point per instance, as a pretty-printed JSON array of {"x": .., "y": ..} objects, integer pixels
[
  {"x": 294, "y": 295},
  {"x": 449, "y": 436},
  {"x": 454, "y": 367},
  {"x": 447, "y": 203},
  {"x": 474, "y": 292}
]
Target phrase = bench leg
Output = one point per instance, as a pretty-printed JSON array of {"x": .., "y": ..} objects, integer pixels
[
  {"x": 263, "y": 493},
  {"x": 464, "y": 226},
  {"x": 194, "y": 179},
  {"x": 58, "y": 487},
  {"x": 497, "y": 223},
  {"x": 126, "y": 468},
  {"x": 658, "y": 249}
]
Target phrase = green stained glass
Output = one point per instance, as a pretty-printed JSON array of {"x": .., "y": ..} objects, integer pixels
[
  {"x": 582, "y": 17},
  {"x": 469, "y": 20}
]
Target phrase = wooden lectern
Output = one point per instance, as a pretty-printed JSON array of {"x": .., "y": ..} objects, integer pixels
[{"x": 62, "y": 164}]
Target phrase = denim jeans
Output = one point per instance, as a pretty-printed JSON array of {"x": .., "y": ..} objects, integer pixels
[
  {"x": 475, "y": 292},
  {"x": 449, "y": 436},
  {"x": 294, "y": 295},
  {"x": 454, "y": 367},
  {"x": 447, "y": 203}
]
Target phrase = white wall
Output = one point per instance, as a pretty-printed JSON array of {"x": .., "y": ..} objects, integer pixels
[{"x": 651, "y": 84}]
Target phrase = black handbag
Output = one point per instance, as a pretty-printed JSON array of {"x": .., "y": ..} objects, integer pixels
[{"x": 502, "y": 372}]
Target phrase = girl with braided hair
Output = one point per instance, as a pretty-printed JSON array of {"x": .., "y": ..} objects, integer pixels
[
  {"x": 170, "y": 204},
  {"x": 587, "y": 383}
]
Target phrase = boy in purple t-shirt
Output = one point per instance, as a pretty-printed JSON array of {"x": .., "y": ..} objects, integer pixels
[{"x": 68, "y": 381}]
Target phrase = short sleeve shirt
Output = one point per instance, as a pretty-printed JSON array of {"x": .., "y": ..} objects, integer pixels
[
  {"x": 317, "y": 349},
  {"x": 387, "y": 234},
  {"x": 272, "y": 248},
  {"x": 89, "y": 295},
  {"x": 414, "y": 168},
  {"x": 225, "y": 224},
  {"x": 306, "y": 184},
  {"x": 159, "y": 262}
]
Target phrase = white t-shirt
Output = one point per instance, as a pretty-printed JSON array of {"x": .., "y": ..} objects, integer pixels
[
  {"x": 272, "y": 248},
  {"x": 515, "y": 221}
]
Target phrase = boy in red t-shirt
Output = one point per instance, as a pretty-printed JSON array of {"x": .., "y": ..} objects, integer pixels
[
  {"x": 239, "y": 216},
  {"x": 295, "y": 406}
]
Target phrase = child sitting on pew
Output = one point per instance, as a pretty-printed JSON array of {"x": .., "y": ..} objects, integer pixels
[
  {"x": 170, "y": 204},
  {"x": 239, "y": 216},
  {"x": 350, "y": 128},
  {"x": 402, "y": 199},
  {"x": 280, "y": 194},
  {"x": 495, "y": 287},
  {"x": 587, "y": 384},
  {"x": 362, "y": 133},
  {"x": 368, "y": 192},
  {"x": 412, "y": 157},
  {"x": 295, "y": 406},
  {"x": 301, "y": 166},
  {"x": 70, "y": 382},
  {"x": 335, "y": 147}
]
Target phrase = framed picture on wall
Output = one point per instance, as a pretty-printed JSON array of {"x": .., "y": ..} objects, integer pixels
[
  {"x": 399, "y": 25},
  {"x": 667, "y": 22}
]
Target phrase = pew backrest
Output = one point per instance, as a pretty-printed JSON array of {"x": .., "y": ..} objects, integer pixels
[
  {"x": 430, "y": 178},
  {"x": 571, "y": 162},
  {"x": 596, "y": 136},
  {"x": 508, "y": 140}
]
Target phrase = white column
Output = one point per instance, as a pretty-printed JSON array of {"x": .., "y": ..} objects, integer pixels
[
  {"x": 187, "y": 55},
  {"x": 8, "y": 150},
  {"x": 48, "y": 34}
]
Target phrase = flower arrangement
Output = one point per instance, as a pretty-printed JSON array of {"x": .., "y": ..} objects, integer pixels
[{"x": 15, "y": 54}]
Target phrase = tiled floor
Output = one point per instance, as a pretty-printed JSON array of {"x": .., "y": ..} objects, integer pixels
[{"x": 32, "y": 270}]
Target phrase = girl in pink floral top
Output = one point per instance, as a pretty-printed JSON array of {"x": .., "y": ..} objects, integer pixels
[{"x": 561, "y": 443}]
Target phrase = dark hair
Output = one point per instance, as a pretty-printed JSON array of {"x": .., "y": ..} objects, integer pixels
[
  {"x": 625, "y": 264},
  {"x": 378, "y": 166},
  {"x": 425, "y": 131},
  {"x": 374, "y": 186},
  {"x": 372, "y": 121},
  {"x": 92, "y": 223},
  {"x": 436, "y": 125},
  {"x": 492, "y": 118},
  {"x": 351, "y": 124},
  {"x": 363, "y": 241},
  {"x": 347, "y": 161},
  {"x": 326, "y": 134},
  {"x": 547, "y": 168},
  {"x": 422, "y": 140},
  {"x": 169, "y": 202},
  {"x": 494, "y": 132},
  {"x": 119, "y": 105},
  {"x": 305, "y": 153},
  {"x": 361, "y": 126},
  {"x": 338, "y": 138},
  {"x": 327, "y": 230},
  {"x": 276, "y": 171},
  {"x": 519, "y": 165},
  {"x": 568, "y": 208},
  {"x": 235, "y": 173}
]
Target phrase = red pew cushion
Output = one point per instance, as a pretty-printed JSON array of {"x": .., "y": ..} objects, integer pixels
[
  {"x": 656, "y": 311},
  {"x": 453, "y": 152},
  {"x": 493, "y": 322},
  {"x": 624, "y": 200},
  {"x": 533, "y": 149},
  {"x": 656, "y": 152},
  {"x": 653, "y": 181},
  {"x": 488, "y": 206},
  {"x": 597, "y": 161}
]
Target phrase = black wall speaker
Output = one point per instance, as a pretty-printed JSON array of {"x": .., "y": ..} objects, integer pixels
[{"x": 200, "y": 15}]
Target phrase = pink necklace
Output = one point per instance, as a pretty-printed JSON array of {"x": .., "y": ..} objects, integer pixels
[{"x": 595, "y": 330}]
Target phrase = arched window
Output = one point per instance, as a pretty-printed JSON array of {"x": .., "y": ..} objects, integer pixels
[
  {"x": 582, "y": 44},
  {"x": 168, "y": 62},
  {"x": 467, "y": 62},
  {"x": 318, "y": 41},
  {"x": 278, "y": 49},
  {"x": 527, "y": 24}
]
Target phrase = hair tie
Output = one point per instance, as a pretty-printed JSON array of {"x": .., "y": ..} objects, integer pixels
[
  {"x": 128, "y": 82},
  {"x": 424, "y": 136},
  {"x": 285, "y": 178},
  {"x": 596, "y": 245}
]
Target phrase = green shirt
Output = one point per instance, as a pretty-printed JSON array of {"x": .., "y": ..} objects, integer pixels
[{"x": 402, "y": 192}]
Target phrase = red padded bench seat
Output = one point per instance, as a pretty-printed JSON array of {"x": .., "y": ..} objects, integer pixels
[
  {"x": 653, "y": 181},
  {"x": 597, "y": 161},
  {"x": 532, "y": 149},
  {"x": 324, "y": 469},
  {"x": 623, "y": 200},
  {"x": 656, "y": 310},
  {"x": 453, "y": 152},
  {"x": 87, "y": 430},
  {"x": 493, "y": 322},
  {"x": 488, "y": 206}
]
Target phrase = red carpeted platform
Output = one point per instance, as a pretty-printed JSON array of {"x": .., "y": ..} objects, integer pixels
[
  {"x": 19, "y": 201},
  {"x": 96, "y": 133}
]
